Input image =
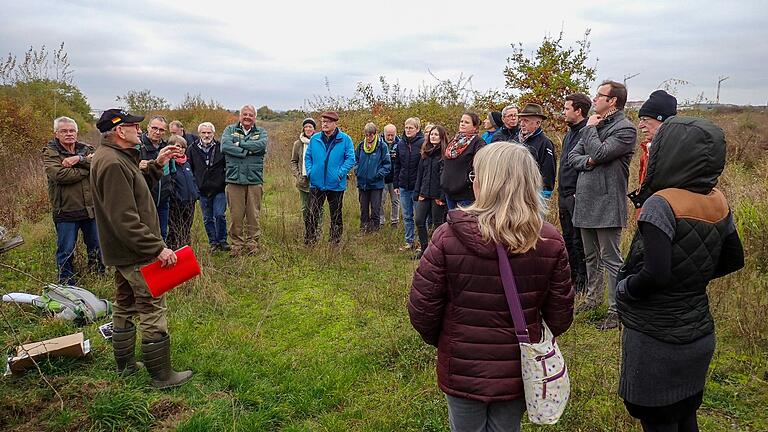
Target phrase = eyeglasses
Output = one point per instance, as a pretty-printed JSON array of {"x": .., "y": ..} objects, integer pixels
[
  {"x": 129, "y": 126},
  {"x": 471, "y": 176},
  {"x": 157, "y": 129},
  {"x": 603, "y": 95}
]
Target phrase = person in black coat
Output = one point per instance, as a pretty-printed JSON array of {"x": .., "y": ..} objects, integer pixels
[
  {"x": 427, "y": 195},
  {"x": 406, "y": 163},
  {"x": 539, "y": 145},
  {"x": 575, "y": 111},
  {"x": 207, "y": 163},
  {"x": 510, "y": 128},
  {"x": 458, "y": 175},
  {"x": 183, "y": 198}
]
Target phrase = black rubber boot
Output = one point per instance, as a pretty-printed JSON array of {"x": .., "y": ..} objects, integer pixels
[
  {"x": 157, "y": 359},
  {"x": 124, "y": 345}
]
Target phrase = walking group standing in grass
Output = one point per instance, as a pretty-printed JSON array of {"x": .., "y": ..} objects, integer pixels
[{"x": 482, "y": 196}]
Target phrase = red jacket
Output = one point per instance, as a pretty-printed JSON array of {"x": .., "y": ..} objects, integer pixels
[{"x": 457, "y": 303}]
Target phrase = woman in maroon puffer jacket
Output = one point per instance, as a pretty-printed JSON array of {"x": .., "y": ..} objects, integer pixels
[{"x": 457, "y": 300}]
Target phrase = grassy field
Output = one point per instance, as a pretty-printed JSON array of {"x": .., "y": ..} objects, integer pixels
[{"x": 318, "y": 339}]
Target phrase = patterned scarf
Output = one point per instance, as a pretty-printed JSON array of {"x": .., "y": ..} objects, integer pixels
[
  {"x": 370, "y": 147},
  {"x": 458, "y": 145}
]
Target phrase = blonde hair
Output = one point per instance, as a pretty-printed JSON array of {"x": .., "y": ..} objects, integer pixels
[
  {"x": 414, "y": 121},
  {"x": 508, "y": 205}
]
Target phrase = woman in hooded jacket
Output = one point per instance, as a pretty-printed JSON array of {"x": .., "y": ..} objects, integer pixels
[
  {"x": 685, "y": 238},
  {"x": 457, "y": 301}
]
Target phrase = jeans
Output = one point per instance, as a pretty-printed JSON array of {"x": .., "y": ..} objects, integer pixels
[
  {"x": 453, "y": 204},
  {"x": 214, "y": 217},
  {"x": 601, "y": 248},
  {"x": 162, "y": 214},
  {"x": 572, "y": 237},
  {"x": 406, "y": 202},
  {"x": 394, "y": 216},
  {"x": 66, "y": 238},
  {"x": 467, "y": 415},
  {"x": 424, "y": 209},
  {"x": 370, "y": 205},
  {"x": 317, "y": 199}
]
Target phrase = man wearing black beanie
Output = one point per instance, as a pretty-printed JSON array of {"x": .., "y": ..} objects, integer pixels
[{"x": 659, "y": 107}]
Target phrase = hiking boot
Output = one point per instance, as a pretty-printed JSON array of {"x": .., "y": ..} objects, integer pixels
[
  {"x": 224, "y": 247},
  {"x": 124, "y": 346},
  {"x": 406, "y": 247},
  {"x": 586, "y": 306},
  {"x": 157, "y": 358},
  {"x": 611, "y": 321}
]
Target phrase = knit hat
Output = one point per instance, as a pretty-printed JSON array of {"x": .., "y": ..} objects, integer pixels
[
  {"x": 660, "y": 106},
  {"x": 309, "y": 120},
  {"x": 495, "y": 117}
]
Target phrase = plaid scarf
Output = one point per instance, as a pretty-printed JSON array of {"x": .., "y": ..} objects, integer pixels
[{"x": 458, "y": 144}]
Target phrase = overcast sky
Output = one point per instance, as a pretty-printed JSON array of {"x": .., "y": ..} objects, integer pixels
[{"x": 280, "y": 53}]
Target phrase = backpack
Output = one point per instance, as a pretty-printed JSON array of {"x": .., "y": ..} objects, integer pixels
[{"x": 73, "y": 304}]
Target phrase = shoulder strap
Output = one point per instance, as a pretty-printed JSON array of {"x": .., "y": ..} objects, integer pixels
[{"x": 513, "y": 300}]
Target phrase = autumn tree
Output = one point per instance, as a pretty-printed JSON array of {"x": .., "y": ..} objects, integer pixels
[
  {"x": 550, "y": 74},
  {"x": 142, "y": 102}
]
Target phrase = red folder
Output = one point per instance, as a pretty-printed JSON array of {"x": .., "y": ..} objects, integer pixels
[{"x": 163, "y": 279}]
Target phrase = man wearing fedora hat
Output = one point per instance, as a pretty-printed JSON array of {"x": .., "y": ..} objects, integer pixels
[
  {"x": 602, "y": 158},
  {"x": 539, "y": 145},
  {"x": 330, "y": 156},
  {"x": 129, "y": 230}
]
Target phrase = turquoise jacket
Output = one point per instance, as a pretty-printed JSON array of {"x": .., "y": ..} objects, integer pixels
[
  {"x": 244, "y": 154},
  {"x": 328, "y": 160}
]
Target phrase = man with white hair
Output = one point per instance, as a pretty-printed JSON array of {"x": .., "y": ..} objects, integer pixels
[
  {"x": 207, "y": 163},
  {"x": 390, "y": 138},
  {"x": 68, "y": 168},
  {"x": 244, "y": 145},
  {"x": 510, "y": 128}
]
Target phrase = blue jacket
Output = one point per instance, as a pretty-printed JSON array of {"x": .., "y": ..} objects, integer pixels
[
  {"x": 408, "y": 154},
  {"x": 372, "y": 168},
  {"x": 328, "y": 160},
  {"x": 487, "y": 135},
  {"x": 184, "y": 186}
]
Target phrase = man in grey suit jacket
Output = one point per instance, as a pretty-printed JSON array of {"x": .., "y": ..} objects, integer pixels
[{"x": 602, "y": 158}]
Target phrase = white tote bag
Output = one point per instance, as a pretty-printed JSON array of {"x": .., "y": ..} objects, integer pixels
[{"x": 545, "y": 376}]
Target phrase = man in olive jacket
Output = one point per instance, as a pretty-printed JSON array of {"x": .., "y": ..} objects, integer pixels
[
  {"x": 130, "y": 233},
  {"x": 244, "y": 145},
  {"x": 68, "y": 168},
  {"x": 602, "y": 158}
]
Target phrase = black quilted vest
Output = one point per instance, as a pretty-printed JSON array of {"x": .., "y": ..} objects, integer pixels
[{"x": 679, "y": 313}]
